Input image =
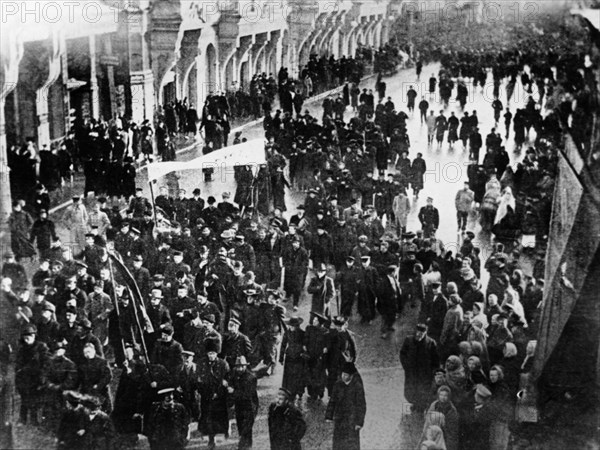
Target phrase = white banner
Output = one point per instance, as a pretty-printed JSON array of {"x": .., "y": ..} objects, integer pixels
[{"x": 247, "y": 153}]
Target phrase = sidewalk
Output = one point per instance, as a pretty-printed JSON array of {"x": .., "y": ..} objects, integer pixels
[{"x": 63, "y": 199}]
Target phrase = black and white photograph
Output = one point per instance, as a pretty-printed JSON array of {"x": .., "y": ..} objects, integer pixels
[{"x": 299, "y": 224}]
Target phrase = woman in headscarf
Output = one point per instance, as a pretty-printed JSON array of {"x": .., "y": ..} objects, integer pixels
[
  {"x": 479, "y": 315},
  {"x": 507, "y": 203},
  {"x": 511, "y": 367},
  {"x": 445, "y": 406},
  {"x": 452, "y": 326},
  {"x": 480, "y": 350},
  {"x": 475, "y": 374},
  {"x": 511, "y": 301},
  {"x": 437, "y": 421}
]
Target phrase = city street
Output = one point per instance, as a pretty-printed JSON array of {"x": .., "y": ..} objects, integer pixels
[{"x": 388, "y": 424}]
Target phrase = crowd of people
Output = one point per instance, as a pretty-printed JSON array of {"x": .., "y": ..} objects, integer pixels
[{"x": 184, "y": 302}]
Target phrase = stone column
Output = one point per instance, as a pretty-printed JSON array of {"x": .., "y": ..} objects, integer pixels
[
  {"x": 42, "y": 95},
  {"x": 10, "y": 57},
  {"x": 94, "y": 91},
  {"x": 109, "y": 61},
  {"x": 142, "y": 95}
]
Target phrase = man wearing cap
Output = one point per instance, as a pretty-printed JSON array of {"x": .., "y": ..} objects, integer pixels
[
  {"x": 60, "y": 376},
  {"x": 175, "y": 266},
  {"x": 316, "y": 341},
  {"x": 31, "y": 362},
  {"x": 286, "y": 423},
  {"x": 47, "y": 326},
  {"x": 188, "y": 384},
  {"x": 95, "y": 376},
  {"x": 295, "y": 262},
  {"x": 429, "y": 218},
  {"x": 292, "y": 358},
  {"x": 347, "y": 408},
  {"x": 43, "y": 231},
  {"x": 419, "y": 357},
  {"x": 235, "y": 343},
  {"x": 99, "y": 219},
  {"x": 99, "y": 429},
  {"x": 226, "y": 207},
  {"x": 97, "y": 309},
  {"x": 76, "y": 220},
  {"x": 242, "y": 390},
  {"x": 345, "y": 281},
  {"x": 213, "y": 372},
  {"x": 479, "y": 420},
  {"x": 167, "y": 351},
  {"x": 72, "y": 422},
  {"x": 322, "y": 289},
  {"x": 14, "y": 270},
  {"x": 166, "y": 424},
  {"x": 341, "y": 348},
  {"x": 139, "y": 204},
  {"x": 244, "y": 252},
  {"x": 123, "y": 240}
]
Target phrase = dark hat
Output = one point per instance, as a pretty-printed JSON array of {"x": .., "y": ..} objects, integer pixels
[
  {"x": 409, "y": 235},
  {"x": 138, "y": 258},
  {"x": 321, "y": 267},
  {"x": 240, "y": 361},
  {"x": 89, "y": 235},
  {"x": 295, "y": 321},
  {"x": 212, "y": 345},
  {"x": 349, "y": 368},
  {"x": 300, "y": 207},
  {"x": 421, "y": 327},
  {"x": 235, "y": 320},
  {"x": 365, "y": 258},
  {"x": 28, "y": 330},
  {"x": 167, "y": 328},
  {"x": 240, "y": 237},
  {"x": 187, "y": 353},
  {"x": 322, "y": 318},
  {"x": 158, "y": 277},
  {"x": 196, "y": 191},
  {"x": 439, "y": 370},
  {"x": 339, "y": 320},
  {"x": 39, "y": 291},
  {"x": 470, "y": 235},
  {"x": 71, "y": 310},
  {"x": 76, "y": 198},
  {"x": 81, "y": 264},
  {"x": 177, "y": 253},
  {"x": 47, "y": 306},
  {"x": 285, "y": 391},
  {"x": 350, "y": 258},
  {"x": 363, "y": 238},
  {"x": 436, "y": 284},
  {"x": 251, "y": 292},
  {"x": 209, "y": 318}
]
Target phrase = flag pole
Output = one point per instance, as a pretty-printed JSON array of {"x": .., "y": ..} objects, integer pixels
[{"x": 153, "y": 202}]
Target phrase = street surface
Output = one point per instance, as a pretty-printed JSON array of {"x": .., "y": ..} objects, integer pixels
[{"x": 388, "y": 424}]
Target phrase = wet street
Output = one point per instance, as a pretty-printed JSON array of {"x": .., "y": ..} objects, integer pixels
[{"x": 388, "y": 423}]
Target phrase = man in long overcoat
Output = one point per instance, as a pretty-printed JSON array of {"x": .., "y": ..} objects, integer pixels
[
  {"x": 286, "y": 423},
  {"x": 295, "y": 262},
  {"x": 167, "y": 423},
  {"x": 419, "y": 357},
  {"x": 347, "y": 408},
  {"x": 243, "y": 391}
]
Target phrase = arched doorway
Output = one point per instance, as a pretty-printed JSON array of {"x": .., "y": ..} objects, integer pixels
[{"x": 211, "y": 69}]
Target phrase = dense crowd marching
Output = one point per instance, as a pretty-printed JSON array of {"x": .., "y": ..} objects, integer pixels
[{"x": 210, "y": 318}]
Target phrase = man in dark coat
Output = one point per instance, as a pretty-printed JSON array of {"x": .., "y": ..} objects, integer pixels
[
  {"x": 60, "y": 376},
  {"x": 322, "y": 289},
  {"x": 286, "y": 423},
  {"x": 419, "y": 357},
  {"x": 213, "y": 373},
  {"x": 31, "y": 362},
  {"x": 437, "y": 312},
  {"x": 167, "y": 351},
  {"x": 167, "y": 423},
  {"x": 243, "y": 391},
  {"x": 295, "y": 262},
  {"x": 347, "y": 408},
  {"x": 429, "y": 218},
  {"x": 43, "y": 233},
  {"x": 367, "y": 282},
  {"x": 71, "y": 423},
  {"x": 95, "y": 376},
  {"x": 292, "y": 358},
  {"x": 341, "y": 348},
  {"x": 235, "y": 344},
  {"x": 388, "y": 299}
]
